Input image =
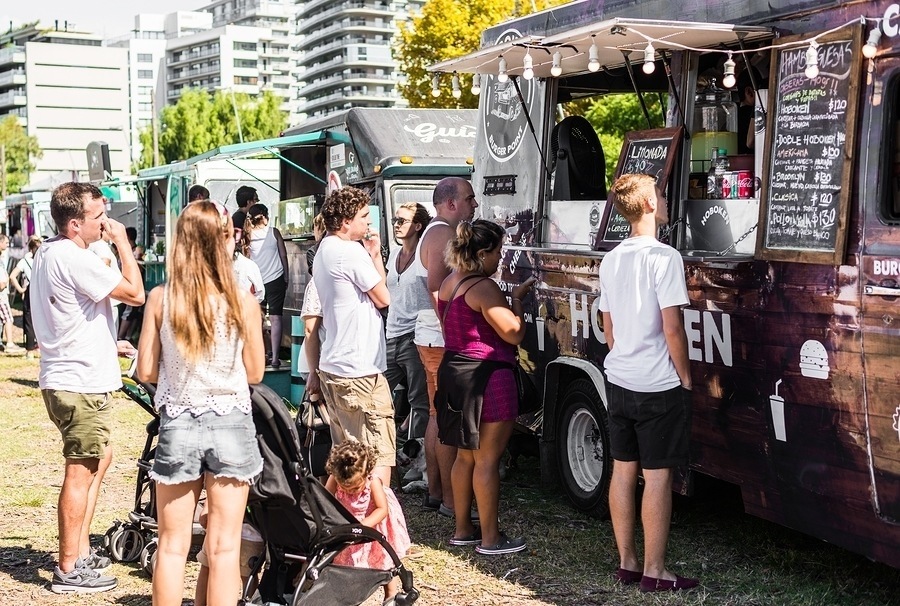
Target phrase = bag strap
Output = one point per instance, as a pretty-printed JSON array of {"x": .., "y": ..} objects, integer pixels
[{"x": 453, "y": 294}]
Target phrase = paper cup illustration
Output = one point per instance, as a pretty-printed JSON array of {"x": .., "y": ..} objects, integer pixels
[
  {"x": 777, "y": 404},
  {"x": 539, "y": 324},
  {"x": 814, "y": 360}
]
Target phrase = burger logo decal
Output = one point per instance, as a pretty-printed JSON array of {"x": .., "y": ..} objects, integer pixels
[
  {"x": 505, "y": 120},
  {"x": 814, "y": 360}
]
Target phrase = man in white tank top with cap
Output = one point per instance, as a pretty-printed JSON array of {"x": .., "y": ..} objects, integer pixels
[{"x": 454, "y": 201}]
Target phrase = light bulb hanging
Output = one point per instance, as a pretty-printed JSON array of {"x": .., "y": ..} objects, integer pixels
[
  {"x": 556, "y": 70},
  {"x": 593, "y": 56},
  {"x": 435, "y": 88},
  {"x": 729, "y": 80},
  {"x": 649, "y": 59},
  {"x": 812, "y": 60},
  {"x": 501, "y": 71},
  {"x": 476, "y": 84},
  {"x": 870, "y": 48},
  {"x": 528, "y": 65},
  {"x": 454, "y": 84}
]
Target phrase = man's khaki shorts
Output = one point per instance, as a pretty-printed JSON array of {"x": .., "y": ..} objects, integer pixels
[
  {"x": 83, "y": 419},
  {"x": 362, "y": 408},
  {"x": 249, "y": 550}
]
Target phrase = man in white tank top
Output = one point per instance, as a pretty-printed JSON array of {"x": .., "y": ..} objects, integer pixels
[{"x": 454, "y": 201}]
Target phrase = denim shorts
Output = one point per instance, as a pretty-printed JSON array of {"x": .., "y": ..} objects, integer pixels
[{"x": 224, "y": 446}]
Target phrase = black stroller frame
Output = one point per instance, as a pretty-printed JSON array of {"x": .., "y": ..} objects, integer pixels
[
  {"x": 305, "y": 527},
  {"x": 135, "y": 539}
]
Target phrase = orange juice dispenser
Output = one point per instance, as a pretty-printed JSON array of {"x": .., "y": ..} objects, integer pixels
[{"x": 715, "y": 126}]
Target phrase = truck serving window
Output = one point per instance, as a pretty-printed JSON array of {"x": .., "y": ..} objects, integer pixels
[{"x": 890, "y": 207}]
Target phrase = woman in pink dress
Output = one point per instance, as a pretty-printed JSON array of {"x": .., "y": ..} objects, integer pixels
[{"x": 350, "y": 466}]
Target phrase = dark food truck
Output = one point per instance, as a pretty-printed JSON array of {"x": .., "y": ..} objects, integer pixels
[{"x": 792, "y": 257}]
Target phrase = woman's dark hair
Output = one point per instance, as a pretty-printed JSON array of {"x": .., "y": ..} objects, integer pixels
[
  {"x": 471, "y": 239},
  {"x": 256, "y": 214}
]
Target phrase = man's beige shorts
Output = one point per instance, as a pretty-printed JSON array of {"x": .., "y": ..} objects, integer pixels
[
  {"x": 362, "y": 408},
  {"x": 83, "y": 419},
  {"x": 249, "y": 549}
]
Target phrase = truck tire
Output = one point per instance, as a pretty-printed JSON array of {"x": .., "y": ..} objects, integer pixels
[{"x": 583, "y": 448}]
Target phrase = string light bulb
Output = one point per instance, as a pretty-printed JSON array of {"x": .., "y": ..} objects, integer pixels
[
  {"x": 556, "y": 70},
  {"x": 593, "y": 56},
  {"x": 528, "y": 65},
  {"x": 454, "y": 83},
  {"x": 476, "y": 84},
  {"x": 435, "y": 88},
  {"x": 870, "y": 48},
  {"x": 729, "y": 80},
  {"x": 649, "y": 59},
  {"x": 501, "y": 71},
  {"x": 812, "y": 60}
]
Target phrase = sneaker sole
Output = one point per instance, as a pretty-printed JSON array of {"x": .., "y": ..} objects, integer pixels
[
  {"x": 78, "y": 589},
  {"x": 489, "y": 551}
]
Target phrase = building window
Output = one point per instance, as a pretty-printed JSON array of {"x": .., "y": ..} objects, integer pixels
[
  {"x": 145, "y": 74},
  {"x": 248, "y": 63},
  {"x": 145, "y": 58}
]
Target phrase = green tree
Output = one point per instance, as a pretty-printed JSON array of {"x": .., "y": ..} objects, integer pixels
[
  {"x": 447, "y": 29},
  {"x": 614, "y": 115},
  {"x": 20, "y": 149},
  {"x": 201, "y": 121}
]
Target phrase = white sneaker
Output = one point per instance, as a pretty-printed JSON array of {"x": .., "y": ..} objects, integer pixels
[{"x": 13, "y": 348}]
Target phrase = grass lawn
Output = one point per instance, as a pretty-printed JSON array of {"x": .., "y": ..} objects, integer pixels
[{"x": 569, "y": 561}]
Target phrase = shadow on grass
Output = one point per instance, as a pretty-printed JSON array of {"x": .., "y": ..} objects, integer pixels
[
  {"x": 25, "y": 382},
  {"x": 23, "y": 563}
]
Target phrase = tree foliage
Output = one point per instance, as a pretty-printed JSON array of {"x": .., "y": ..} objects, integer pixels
[
  {"x": 201, "y": 121},
  {"x": 20, "y": 149},
  {"x": 614, "y": 115},
  {"x": 447, "y": 29}
]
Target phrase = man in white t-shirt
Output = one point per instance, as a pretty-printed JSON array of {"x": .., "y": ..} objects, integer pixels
[
  {"x": 350, "y": 279},
  {"x": 74, "y": 323},
  {"x": 642, "y": 291}
]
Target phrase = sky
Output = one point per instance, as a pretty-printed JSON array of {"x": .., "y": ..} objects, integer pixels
[{"x": 108, "y": 19}]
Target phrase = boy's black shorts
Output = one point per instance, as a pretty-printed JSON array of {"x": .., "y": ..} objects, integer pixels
[{"x": 652, "y": 428}]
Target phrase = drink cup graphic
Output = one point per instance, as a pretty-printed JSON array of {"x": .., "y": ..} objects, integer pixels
[
  {"x": 539, "y": 324},
  {"x": 777, "y": 404}
]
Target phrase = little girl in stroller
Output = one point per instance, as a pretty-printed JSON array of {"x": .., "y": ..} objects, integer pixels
[{"x": 350, "y": 466}]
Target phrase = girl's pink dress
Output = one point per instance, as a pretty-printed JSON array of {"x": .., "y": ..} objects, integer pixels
[{"x": 393, "y": 527}]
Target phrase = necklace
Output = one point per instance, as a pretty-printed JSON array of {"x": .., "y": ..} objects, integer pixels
[{"x": 406, "y": 265}]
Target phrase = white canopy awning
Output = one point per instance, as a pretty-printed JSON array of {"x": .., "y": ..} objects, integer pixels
[{"x": 612, "y": 37}]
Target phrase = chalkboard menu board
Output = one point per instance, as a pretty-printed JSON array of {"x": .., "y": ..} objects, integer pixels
[
  {"x": 646, "y": 152},
  {"x": 803, "y": 210}
]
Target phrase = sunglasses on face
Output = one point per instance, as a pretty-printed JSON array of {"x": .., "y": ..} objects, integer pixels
[{"x": 400, "y": 221}]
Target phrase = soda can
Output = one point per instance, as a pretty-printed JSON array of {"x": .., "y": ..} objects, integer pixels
[
  {"x": 745, "y": 184},
  {"x": 727, "y": 182}
]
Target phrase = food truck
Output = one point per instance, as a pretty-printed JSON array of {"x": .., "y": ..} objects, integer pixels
[{"x": 792, "y": 269}]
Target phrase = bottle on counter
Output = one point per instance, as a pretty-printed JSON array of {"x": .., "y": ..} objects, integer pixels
[{"x": 718, "y": 187}]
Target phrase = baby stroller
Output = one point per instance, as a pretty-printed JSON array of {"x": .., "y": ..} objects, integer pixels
[
  {"x": 135, "y": 539},
  {"x": 305, "y": 526}
]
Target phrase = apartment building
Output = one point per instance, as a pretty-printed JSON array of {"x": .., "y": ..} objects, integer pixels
[
  {"x": 67, "y": 90},
  {"x": 344, "y": 54}
]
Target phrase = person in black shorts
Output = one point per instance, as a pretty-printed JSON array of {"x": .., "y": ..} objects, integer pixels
[{"x": 642, "y": 291}]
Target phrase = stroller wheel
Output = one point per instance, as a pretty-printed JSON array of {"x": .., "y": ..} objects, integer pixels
[
  {"x": 124, "y": 542},
  {"x": 407, "y": 599},
  {"x": 148, "y": 557}
]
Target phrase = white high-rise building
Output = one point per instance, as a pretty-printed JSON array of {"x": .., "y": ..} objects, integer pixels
[
  {"x": 345, "y": 55},
  {"x": 68, "y": 91}
]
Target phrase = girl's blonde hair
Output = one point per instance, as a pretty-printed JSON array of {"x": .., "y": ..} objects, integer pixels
[
  {"x": 349, "y": 460},
  {"x": 200, "y": 271}
]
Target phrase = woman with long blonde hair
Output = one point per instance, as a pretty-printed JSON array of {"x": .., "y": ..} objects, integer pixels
[{"x": 201, "y": 343}]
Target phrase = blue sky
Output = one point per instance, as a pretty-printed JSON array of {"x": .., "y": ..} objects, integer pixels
[{"x": 108, "y": 19}]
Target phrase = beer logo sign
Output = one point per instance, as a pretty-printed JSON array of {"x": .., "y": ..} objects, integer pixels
[{"x": 504, "y": 119}]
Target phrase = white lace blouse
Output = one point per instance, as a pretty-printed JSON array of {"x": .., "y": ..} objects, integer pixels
[{"x": 217, "y": 382}]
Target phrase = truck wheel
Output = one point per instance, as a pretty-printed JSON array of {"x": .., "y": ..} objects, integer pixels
[{"x": 583, "y": 442}]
